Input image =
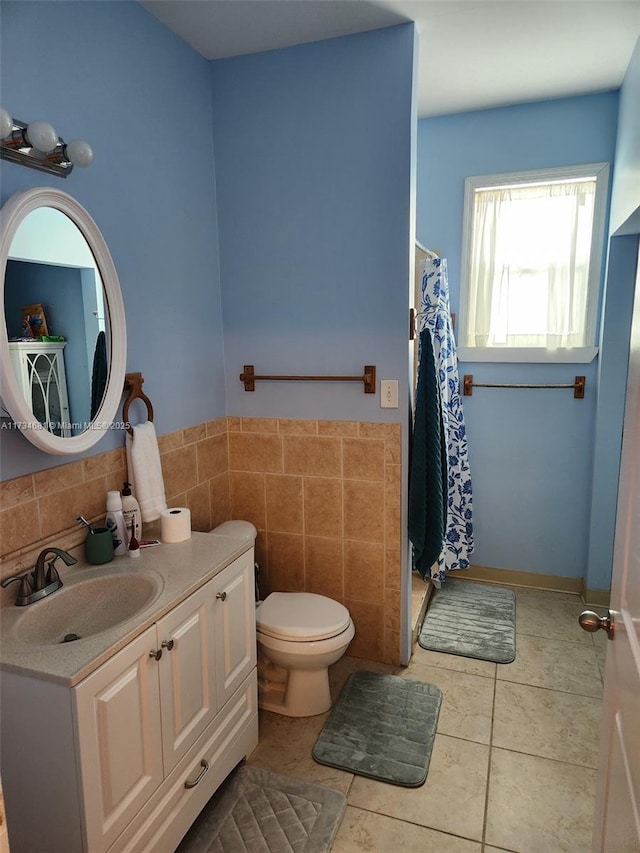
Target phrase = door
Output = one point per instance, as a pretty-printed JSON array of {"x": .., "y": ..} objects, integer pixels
[
  {"x": 119, "y": 728},
  {"x": 187, "y": 673},
  {"x": 235, "y": 625},
  {"x": 617, "y": 826}
]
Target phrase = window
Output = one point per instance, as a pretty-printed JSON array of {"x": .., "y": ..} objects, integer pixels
[{"x": 531, "y": 264}]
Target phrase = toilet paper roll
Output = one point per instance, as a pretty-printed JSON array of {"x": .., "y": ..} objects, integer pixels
[{"x": 175, "y": 524}]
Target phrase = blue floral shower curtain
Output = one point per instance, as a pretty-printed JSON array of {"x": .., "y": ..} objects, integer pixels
[{"x": 434, "y": 315}]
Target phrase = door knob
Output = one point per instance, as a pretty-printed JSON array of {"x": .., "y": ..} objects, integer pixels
[{"x": 591, "y": 622}]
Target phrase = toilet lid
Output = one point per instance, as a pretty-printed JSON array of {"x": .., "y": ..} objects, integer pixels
[{"x": 301, "y": 616}]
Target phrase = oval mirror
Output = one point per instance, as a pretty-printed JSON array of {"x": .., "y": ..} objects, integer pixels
[{"x": 63, "y": 341}]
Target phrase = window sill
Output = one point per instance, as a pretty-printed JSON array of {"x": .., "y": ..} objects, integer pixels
[{"x": 531, "y": 355}]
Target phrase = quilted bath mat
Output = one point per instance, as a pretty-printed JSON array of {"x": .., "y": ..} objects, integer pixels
[
  {"x": 473, "y": 620},
  {"x": 382, "y": 727},
  {"x": 257, "y": 811}
]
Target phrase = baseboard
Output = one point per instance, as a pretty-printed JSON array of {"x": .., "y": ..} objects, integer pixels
[
  {"x": 598, "y": 597},
  {"x": 532, "y": 580},
  {"x": 419, "y": 616}
]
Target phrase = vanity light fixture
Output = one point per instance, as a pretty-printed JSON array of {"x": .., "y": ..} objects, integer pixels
[{"x": 38, "y": 146}]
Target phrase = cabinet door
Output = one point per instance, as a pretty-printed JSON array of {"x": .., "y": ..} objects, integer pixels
[
  {"x": 187, "y": 674},
  {"x": 235, "y": 625},
  {"x": 39, "y": 368},
  {"x": 119, "y": 732}
]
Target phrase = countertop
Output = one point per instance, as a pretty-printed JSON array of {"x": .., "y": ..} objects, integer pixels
[{"x": 177, "y": 569}]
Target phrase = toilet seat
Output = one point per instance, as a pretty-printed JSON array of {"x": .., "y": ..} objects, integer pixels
[{"x": 301, "y": 617}]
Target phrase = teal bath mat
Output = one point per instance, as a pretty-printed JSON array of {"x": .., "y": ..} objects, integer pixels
[
  {"x": 473, "y": 620},
  {"x": 256, "y": 811},
  {"x": 382, "y": 727}
]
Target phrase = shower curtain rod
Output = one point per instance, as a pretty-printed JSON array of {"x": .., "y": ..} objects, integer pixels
[
  {"x": 468, "y": 385},
  {"x": 430, "y": 253}
]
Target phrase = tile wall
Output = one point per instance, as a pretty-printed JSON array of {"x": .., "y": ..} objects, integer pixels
[
  {"x": 324, "y": 496},
  {"x": 40, "y": 509}
]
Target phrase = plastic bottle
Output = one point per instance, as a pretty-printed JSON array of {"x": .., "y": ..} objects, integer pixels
[
  {"x": 131, "y": 512},
  {"x": 114, "y": 520},
  {"x": 134, "y": 548}
]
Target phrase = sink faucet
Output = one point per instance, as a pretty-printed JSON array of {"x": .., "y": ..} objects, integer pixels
[
  {"x": 40, "y": 583},
  {"x": 40, "y": 580}
]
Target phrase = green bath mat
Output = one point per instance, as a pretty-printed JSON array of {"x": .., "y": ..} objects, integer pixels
[
  {"x": 382, "y": 727},
  {"x": 256, "y": 811},
  {"x": 473, "y": 620}
]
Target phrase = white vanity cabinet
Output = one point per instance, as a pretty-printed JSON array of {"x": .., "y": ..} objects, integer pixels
[{"x": 158, "y": 726}]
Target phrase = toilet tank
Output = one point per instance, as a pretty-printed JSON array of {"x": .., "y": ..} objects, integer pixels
[
  {"x": 245, "y": 531},
  {"x": 237, "y": 529}
]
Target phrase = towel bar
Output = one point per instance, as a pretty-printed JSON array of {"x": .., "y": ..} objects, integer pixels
[
  {"x": 578, "y": 386},
  {"x": 249, "y": 377},
  {"x": 133, "y": 384}
]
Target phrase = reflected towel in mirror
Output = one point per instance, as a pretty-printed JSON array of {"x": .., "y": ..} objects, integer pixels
[{"x": 99, "y": 374}]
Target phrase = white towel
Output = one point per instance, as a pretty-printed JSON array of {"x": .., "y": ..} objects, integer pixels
[{"x": 145, "y": 471}]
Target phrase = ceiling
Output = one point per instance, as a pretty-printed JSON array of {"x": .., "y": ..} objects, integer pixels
[{"x": 473, "y": 54}]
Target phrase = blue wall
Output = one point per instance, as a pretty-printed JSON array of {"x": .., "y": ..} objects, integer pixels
[
  {"x": 112, "y": 74},
  {"x": 625, "y": 199},
  {"x": 313, "y": 148},
  {"x": 313, "y": 158},
  {"x": 531, "y": 452},
  {"x": 315, "y": 152},
  {"x": 620, "y": 289}
]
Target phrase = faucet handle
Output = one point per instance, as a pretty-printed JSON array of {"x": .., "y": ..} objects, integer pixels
[
  {"x": 52, "y": 573},
  {"x": 25, "y": 589}
]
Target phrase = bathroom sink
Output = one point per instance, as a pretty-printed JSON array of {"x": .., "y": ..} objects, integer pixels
[{"x": 85, "y": 608}]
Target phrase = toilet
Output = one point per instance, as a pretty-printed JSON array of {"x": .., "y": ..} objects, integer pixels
[{"x": 299, "y": 634}]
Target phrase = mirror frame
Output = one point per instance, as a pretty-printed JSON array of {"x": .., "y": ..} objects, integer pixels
[{"x": 12, "y": 214}]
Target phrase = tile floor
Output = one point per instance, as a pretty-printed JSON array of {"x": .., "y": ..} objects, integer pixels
[{"x": 514, "y": 761}]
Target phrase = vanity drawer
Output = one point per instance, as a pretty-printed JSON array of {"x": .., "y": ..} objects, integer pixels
[{"x": 172, "y": 809}]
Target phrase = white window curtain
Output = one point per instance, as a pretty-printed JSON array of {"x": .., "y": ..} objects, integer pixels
[{"x": 529, "y": 270}]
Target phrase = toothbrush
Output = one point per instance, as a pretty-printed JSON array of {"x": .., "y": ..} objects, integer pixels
[{"x": 82, "y": 520}]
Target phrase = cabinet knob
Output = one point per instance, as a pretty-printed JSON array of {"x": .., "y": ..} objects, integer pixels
[
  {"x": 167, "y": 644},
  {"x": 221, "y": 595},
  {"x": 155, "y": 653}
]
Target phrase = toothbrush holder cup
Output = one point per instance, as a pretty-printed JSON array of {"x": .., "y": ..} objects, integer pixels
[{"x": 99, "y": 546}]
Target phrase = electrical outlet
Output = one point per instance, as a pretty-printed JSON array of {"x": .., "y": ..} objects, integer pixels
[{"x": 389, "y": 394}]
